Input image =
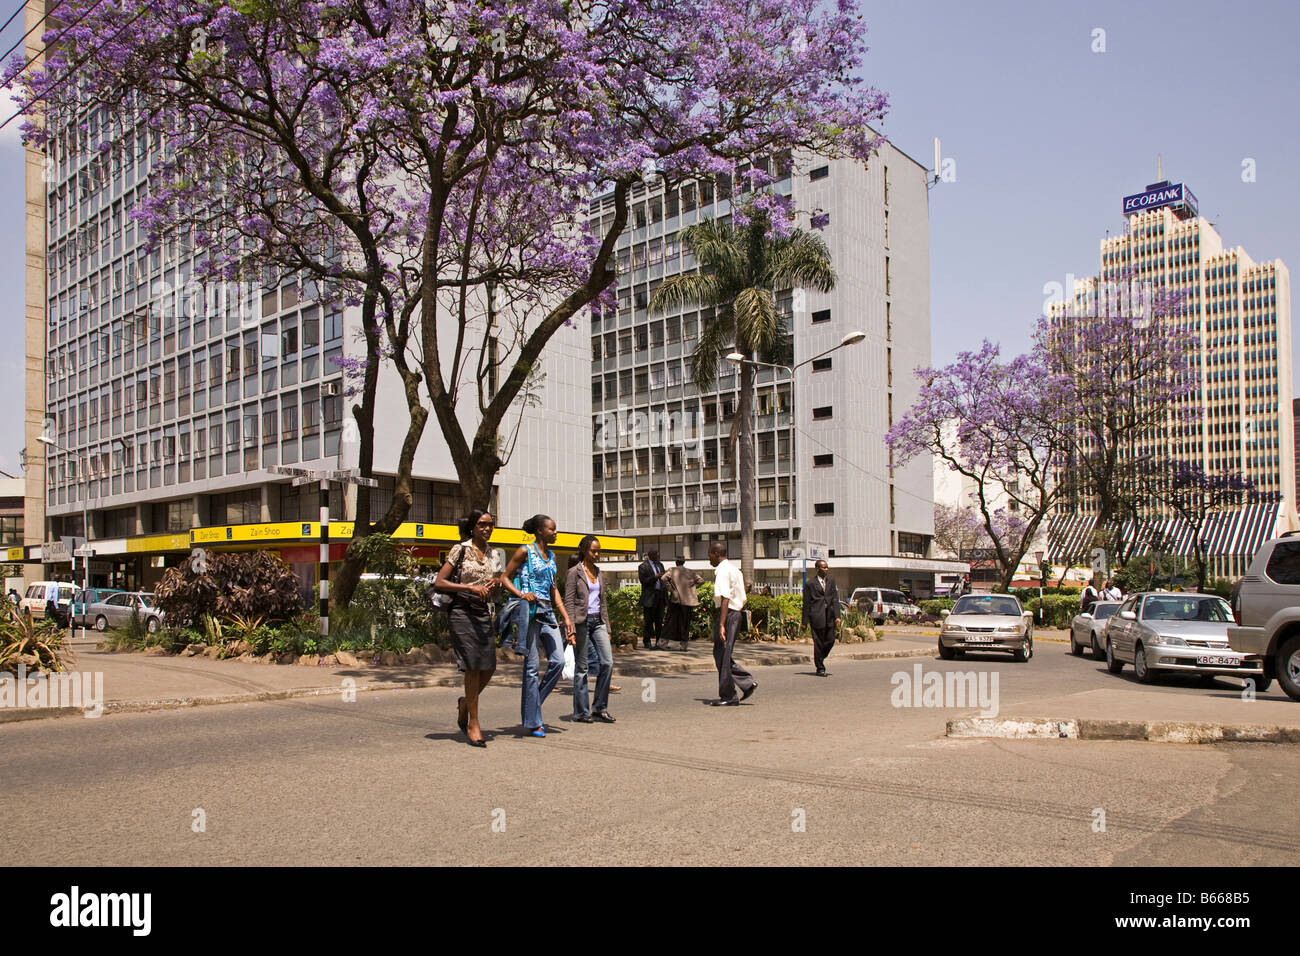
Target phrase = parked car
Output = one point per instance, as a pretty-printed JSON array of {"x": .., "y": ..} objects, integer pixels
[
  {"x": 116, "y": 610},
  {"x": 50, "y": 599},
  {"x": 1266, "y": 612},
  {"x": 987, "y": 622},
  {"x": 881, "y": 603},
  {"x": 1164, "y": 632},
  {"x": 82, "y": 600},
  {"x": 1089, "y": 629}
]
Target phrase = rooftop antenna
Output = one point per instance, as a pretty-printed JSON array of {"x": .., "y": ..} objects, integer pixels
[
  {"x": 1160, "y": 169},
  {"x": 938, "y": 160}
]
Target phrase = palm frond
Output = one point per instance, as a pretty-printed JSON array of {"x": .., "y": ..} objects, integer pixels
[
  {"x": 801, "y": 259},
  {"x": 688, "y": 289},
  {"x": 716, "y": 340},
  {"x": 717, "y": 248},
  {"x": 758, "y": 324}
]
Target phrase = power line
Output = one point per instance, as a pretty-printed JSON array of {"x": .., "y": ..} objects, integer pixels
[
  {"x": 46, "y": 49},
  {"x": 71, "y": 71},
  {"x": 43, "y": 18},
  {"x": 21, "y": 7}
]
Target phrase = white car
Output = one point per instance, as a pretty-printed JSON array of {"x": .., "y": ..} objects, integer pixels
[
  {"x": 987, "y": 622},
  {"x": 1089, "y": 629},
  {"x": 881, "y": 603}
]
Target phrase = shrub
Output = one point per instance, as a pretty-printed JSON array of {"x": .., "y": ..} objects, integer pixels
[
  {"x": 933, "y": 607},
  {"x": 1058, "y": 610},
  {"x": 37, "y": 645},
  {"x": 248, "y": 584}
]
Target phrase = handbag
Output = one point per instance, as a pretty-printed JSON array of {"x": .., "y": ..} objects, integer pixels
[{"x": 443, "y": 600}]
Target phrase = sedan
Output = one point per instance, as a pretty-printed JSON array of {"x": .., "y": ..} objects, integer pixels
[
  {"x": 116, "y": 610},
  {"x": 1164, "y": 632},
  {"x": 82, "y": 601},
  {"x": 1089, "y": 629},
  {"x": 987, "y": 622}
]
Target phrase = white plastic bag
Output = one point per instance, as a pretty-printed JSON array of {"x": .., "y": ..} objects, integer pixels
[{"x": 570, "y": 665}]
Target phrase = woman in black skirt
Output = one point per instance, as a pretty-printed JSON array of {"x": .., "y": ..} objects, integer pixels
[{"x": 470, "y": 619}]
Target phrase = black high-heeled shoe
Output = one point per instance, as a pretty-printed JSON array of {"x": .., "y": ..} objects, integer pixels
[{"x": 477, "y": 743}]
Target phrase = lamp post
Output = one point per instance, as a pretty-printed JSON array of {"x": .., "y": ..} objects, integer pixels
[
  {"x": 740, "y": 359},
  {"x": 1042, "y": 581}
]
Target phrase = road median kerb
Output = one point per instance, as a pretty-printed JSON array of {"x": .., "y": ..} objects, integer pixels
[{"x": 1152, "y": 731}]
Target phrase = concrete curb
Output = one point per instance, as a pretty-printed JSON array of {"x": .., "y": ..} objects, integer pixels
[
  {"x": 1153, "y": 731},
  {"x": 452, "y": 679}
]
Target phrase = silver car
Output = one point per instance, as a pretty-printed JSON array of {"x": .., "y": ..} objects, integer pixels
[
  {"x": 987, "y": 622},
  {"x": 1089, "y": 629},
  {"x": 116, "y": 611},
  {"x": 1164, "y": 632}
]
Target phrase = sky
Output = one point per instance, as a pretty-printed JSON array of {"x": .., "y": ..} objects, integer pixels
[{"x": 1048, "y": 124}]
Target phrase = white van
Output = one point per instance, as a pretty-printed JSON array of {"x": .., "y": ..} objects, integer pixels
[
  {"x": 881, "y": 603},
  {"x": 45, "y": 596}
]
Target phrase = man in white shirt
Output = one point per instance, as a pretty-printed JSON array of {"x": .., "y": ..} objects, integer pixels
[
  {"x": 729, "y": 599},
  {"x": 1111, "y": 592}
]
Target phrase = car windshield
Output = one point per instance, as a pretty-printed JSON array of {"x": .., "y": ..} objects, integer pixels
[
  {"x": 1102, "y": 611},
  {"x": 146, "y": 600},
  {"x": 987, "y": 604},
  {"x": 1182, "y": 608}
]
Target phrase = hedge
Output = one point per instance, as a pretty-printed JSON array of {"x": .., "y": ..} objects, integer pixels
[{"x": 1058, "y": 609}]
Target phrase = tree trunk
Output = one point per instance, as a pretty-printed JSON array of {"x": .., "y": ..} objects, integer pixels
[{"x": 745, "y": 472}]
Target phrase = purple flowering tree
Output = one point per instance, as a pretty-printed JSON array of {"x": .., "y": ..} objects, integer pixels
[
  {"x": 432, "y": 164},
  {"x": 1123, "y": 368},
  {"x": 1194, "y": 494},
  {"x": 990, "y": 421}
]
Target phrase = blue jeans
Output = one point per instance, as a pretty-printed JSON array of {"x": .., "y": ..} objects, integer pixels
[
  {"x": 593, "y": 637},
  {"x": 543, "y": 630},
  {"x": 512, "y": 624}
]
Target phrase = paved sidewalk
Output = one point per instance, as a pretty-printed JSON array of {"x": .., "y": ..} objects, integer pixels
[{"x": 135, "y": 682}]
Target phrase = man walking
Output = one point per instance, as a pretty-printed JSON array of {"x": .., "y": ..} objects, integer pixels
[
  {"x": 729, "y": 599},
  {"x": 654, "y": 599},
  {"x": 821, "y": 611},
  {"x": 1088, "y": 598},
  {"x": 683, "y": 599}
]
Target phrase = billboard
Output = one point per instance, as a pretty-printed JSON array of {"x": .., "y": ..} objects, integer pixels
[{"x": 1155, "y": 196}]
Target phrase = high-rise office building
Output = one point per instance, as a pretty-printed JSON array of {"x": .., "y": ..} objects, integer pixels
[
  {"x": 170, "y": 401},
  {"x": 1239, "y": 311},
  {"x": 662, "y": 467}
]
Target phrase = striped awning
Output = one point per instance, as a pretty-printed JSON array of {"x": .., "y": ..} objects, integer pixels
[{"x": 1239, "y": 532}]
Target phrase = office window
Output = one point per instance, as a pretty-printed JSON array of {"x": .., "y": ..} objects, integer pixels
[
  {"x": 821, "y": 364},
  {"x": 822, "y": 315},
  {"x": 824, "y": 508},
  {"x": 823, "y": 461},
  {"x": 821, "y": 172},
  {"x": 823, "y": 412}
]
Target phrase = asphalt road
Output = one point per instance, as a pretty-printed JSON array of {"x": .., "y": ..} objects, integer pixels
[{"x": 388, "y": 780}]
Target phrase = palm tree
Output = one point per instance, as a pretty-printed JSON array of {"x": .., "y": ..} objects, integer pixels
[{"x": 741, "y": 270}]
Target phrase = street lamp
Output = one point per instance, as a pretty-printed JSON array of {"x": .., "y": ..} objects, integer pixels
[{"x": 739, "y": 358}]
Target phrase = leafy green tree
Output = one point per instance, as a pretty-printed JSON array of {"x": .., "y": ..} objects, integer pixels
[{"x": 743, "y": 264}]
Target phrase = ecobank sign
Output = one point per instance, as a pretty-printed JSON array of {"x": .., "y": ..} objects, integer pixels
[{"x": 1164, "y": 194}]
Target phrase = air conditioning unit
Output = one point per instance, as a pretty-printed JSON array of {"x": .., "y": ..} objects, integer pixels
[{"x": 329, "y": 388}]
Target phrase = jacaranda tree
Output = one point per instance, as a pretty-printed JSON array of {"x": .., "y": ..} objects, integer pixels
[{"x": 430, "y": 163}]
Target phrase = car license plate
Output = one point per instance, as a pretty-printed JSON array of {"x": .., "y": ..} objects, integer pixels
[
  {"x": 979, "y": 639},
  {"x": 1217, "y": 661}
]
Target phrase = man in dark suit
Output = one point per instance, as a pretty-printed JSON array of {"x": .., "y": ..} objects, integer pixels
[
  {"x": 821, "y": 611},
  {"x": 654, "y": 599}
]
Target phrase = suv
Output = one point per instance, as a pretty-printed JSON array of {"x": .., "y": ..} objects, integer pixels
[
  {"x": 49, "y": 599},
  {"x": 881, "y": 603},
  {"x": 1266, "y": 605}
]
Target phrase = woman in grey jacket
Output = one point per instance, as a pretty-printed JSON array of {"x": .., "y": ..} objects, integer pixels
[{"x": 587, "y": 604}]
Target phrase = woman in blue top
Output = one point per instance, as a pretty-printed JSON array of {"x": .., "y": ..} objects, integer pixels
[{"x": 535, "y": 565}]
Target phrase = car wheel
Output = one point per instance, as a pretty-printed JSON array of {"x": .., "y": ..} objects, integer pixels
[
  {"x": 1075, "y": 647},
  {"x": 1098, "y": 654},
  {"x": 1023, "y": 653},
  {"x": 945, "y": 652},
  {"x": 1113, "y": 664},
  {"x": 1146, "y": 674},
  {"x": 1287, "y": 668},
  {"x": 101, "y": 623},
  {"x": 1262, "y": 683},
  {"x": 152, "y": 626}
]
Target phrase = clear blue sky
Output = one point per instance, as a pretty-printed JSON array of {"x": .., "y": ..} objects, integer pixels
[{"x": 1047, "y": 136}]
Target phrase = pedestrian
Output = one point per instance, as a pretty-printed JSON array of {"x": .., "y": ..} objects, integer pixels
[
  {"x": 654, "y": 599},
  {"x": 1088, "y": 599},
  {"x": 729, "y": 600},
  {"x": 683, "y": 599},
  {"x": 513, "y": 620},
  {"x": 535, "y": 565},
  {"x": 14, "y": 596},
  {"x": 471, "y": 575},
  {"x": 587, "y": 602},
  {"x": 593, "y": 659},
  {"x": 1112, "y": 592},
  {"x": 821, "y": 612}
]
